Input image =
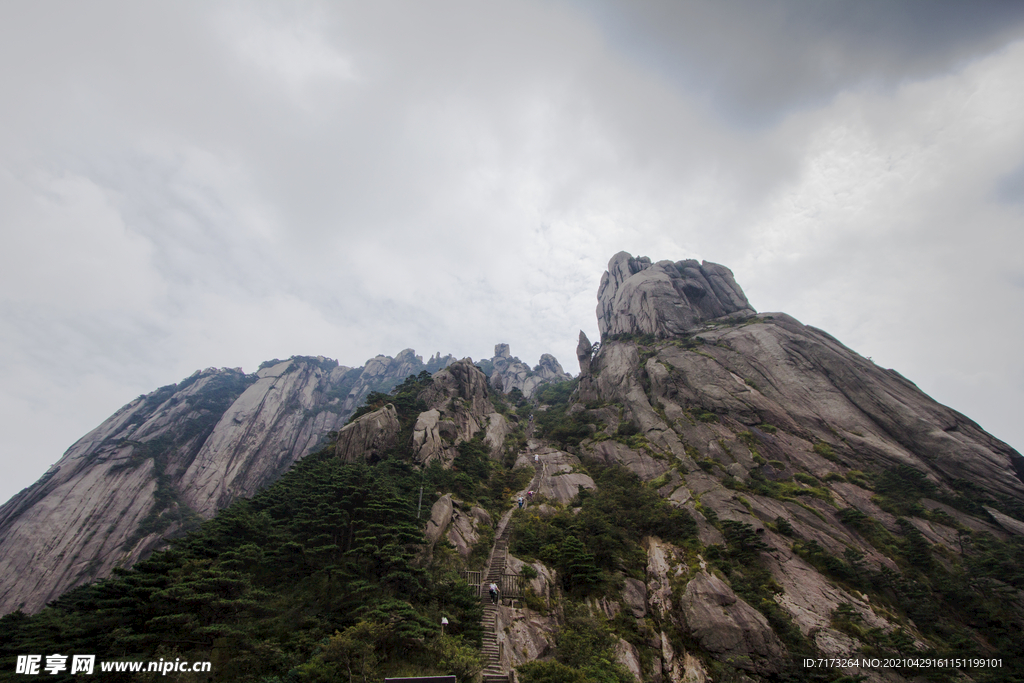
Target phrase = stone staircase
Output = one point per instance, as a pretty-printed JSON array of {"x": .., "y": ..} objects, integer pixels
[{"x": 493, "y": 671}]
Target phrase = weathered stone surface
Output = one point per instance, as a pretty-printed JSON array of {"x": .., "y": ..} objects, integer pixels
[
  {"x": 729, "y": 628},
  {"x": 511, "y": 373},
  {"x": 525, "y": 635},
  {"x": 541, "y": 584},
  {"x": 459, "y": 407},
  {"x": 556, "y": 480},
  {"x": 640, "y": 463},
  {"x": 1008, "y": 523},
  {"x": 464, "y": 529},
  {"x": 664, "y": 299},
  {"x": 809, "y": 597},
  {"x": 693, "y": 670},
  {"x": 382, "y": 373},
  {"x": 584, "y": 351},
  {"x": 461, "y": 384},
  {"x": 972, "y": 523},
  {"x": 634, "y": 594},
  {"x": 368, "y": 436},
  {"x": 671, "y": 667},
  {"x": 663, "y": 564},
  {"x": 449, "y": 519},
  {"x": 427, "y": 444},
  {"x": 223, "y": 435},
  {"x": 628, "y": 656},
  {"x": 440, "y": 517},
  {"x": 497, "y": 429},
  {"x": 107, "y": 484}
]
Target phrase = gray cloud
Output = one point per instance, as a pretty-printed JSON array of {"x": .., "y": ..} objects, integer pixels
[
  {"x": 754, "y": 62},
  {"x": 216, "y": 184}
]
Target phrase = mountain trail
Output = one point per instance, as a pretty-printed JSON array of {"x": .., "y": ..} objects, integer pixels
[{"x": 493, "y": 671}]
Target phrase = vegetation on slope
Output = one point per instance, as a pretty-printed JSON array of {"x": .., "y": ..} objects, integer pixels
[{"x": 314, "y": 578}]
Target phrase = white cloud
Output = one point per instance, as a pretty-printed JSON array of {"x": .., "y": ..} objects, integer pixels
[{"x": 201, "y": 184}]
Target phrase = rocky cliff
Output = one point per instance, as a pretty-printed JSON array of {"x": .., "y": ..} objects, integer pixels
[
  {"x": 171, "y": 458},
  {"x": 507, "y": 372},
  {"x": 720, "y": 495},
  {"x": 776, "y": 437},
  {"x": 665, "y": 298}
]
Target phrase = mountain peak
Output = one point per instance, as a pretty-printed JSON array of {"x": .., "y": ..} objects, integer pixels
[{"x": 665, "y": 298}]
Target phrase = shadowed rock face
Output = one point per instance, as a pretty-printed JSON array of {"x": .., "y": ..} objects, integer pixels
[
  {"x": 200, "y": 444},
  {"x": 729, "y": 627},
  {"x": 369, "y": 435},
  {"x": 507, "y": 372},
  {"x": 722, "y": 397},
  {"x": 665, "y": 298},
  {"x": 459, "y": 406}
]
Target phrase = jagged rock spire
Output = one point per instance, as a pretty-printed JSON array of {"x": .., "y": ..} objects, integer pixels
[{"x": 665, "y": 298}]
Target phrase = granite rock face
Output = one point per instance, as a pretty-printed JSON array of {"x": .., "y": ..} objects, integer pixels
[
  {"x": 459, "y": 406},
  {"x": 720, "y": 398},
  {"x": 507, "y": 372},
  {"x": 728, "y": 627},
  {"x": 665, "y": 298},
  {"x": 559, "y": 477},
  {"x": 369, "y": 435},
  {"x": 200, "y": 444},
  {"x": 744, "y": 420}
]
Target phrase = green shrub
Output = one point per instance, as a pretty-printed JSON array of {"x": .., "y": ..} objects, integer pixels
[
  {"x": 748, "y": 439},
  {"x": 783, "y": 526},
  {"x": 825, "y": 451},
  {"x": 549, "y": 672},
  {"x": 806, "y": 479}
]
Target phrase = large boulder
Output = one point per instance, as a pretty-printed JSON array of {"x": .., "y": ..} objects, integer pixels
[
  {"x": 665, "y": 298},
  {"x": 369, "y": 435},
  {"x": 459, "y": 407},
  {"x": 584, "y": 352},
  {"x": 728, "y": 628}
]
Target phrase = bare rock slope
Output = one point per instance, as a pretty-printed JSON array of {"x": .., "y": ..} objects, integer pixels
[
  {"x": 758, "y": 422},
  {"x": 168, "y": 459},
  {"x": 664, "y": 298},
  {"x": 507, "y": 372}
]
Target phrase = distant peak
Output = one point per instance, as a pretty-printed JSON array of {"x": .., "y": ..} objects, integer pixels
[{"x": 666, "y": 298}]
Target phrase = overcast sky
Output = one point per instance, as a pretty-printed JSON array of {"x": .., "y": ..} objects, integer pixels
[{"x": 185, "y": 185}]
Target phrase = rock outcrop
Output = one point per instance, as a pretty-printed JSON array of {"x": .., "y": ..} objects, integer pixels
[
  {"x": 665, "y": 298},
  {"x": 727, "y": 626},
  {"x": 368, "y": 436},
  {"x": 559, "y": 478},
  {"x": 460, "y": 407},
  {"x": 460, "y": 524},
  {"x": 702, "y": 396},
  {"x": 772, "y": 436},
  {"x": 507, "y": 372},
  {"x": 167, "y": 459}
]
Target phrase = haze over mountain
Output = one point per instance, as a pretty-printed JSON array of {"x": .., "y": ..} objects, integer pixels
[
  {"x": 721, "y": 494},
  {"x": 195, "y": 184}
]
